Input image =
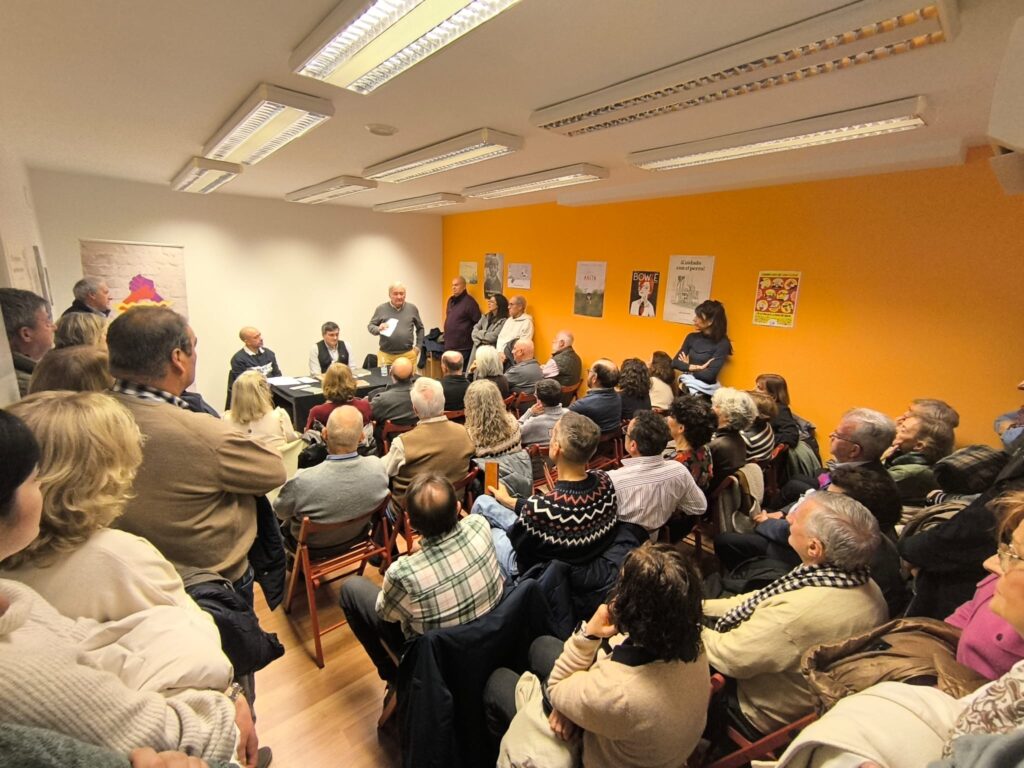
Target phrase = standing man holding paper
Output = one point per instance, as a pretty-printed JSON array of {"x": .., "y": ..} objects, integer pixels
[{"x": 399, "y": 327}]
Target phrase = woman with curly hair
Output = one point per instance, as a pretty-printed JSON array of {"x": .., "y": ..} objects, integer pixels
[
  {"x": 496, "y": 437},
  {"x": 253, "y": 411},
  {"x": 634, "y": 387},
  {"x": 91, "y": 449},
  {"x": 692, "y": 423},
  {"x": 664, "y": 388},
  {"x": 339, "y": 387},
  {"x": 643, "y": 703}
]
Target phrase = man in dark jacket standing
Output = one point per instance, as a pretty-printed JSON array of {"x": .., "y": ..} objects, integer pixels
[
  {"x": 459, "y": 318},
  {"x": 92, "y": 296}
]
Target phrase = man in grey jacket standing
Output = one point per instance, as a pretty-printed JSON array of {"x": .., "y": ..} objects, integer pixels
[{"x": 398, "y": 324}]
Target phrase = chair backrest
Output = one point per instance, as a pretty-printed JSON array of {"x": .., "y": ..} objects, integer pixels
[
  {"x": 543, "y": 470},
  {"x": 290, "y": 454},
  {"x": 464, "y": 488},
  {"x": 569, "y": 393},
  {"x": 510, "y": 401},
  {"x": 390, "y": 429},
  {"x": 610, "y": 449},
  {"x": 459, "y": 417},
  {"x": 312, "y": 526},
  {"x": 727, "y": 513},
  {"x": 523, "y": 400}
]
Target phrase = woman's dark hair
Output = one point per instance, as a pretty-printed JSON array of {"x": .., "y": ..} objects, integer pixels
[
  {"x": 696, "y": 417},
  {"x": 875, "y": 490},
  {"x": 634, "y": 378},
  {"x": 713, "y": 312},
  {"x": 500, "y": 305},
  {"x": 774, "y": 385},
  {"x": 661, "y": 368},
  {"x": 657, "y": 601},
  {"x": 19, "y": 455}
]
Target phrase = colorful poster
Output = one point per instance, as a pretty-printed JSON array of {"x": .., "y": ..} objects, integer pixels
[
  {"x": 494, "y": 265},
  {"x": 588, "y": 295},
  {"x": 468, "y": 271},
  {"x": 138, "y": 273},
  {"x": 520, "y": 275},
  {"x": 687, "y": 285},
  {"x": 775, "y": 300},
  {"x": 643, "y": 294}
]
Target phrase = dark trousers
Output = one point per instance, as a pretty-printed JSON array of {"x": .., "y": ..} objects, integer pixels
[
  {"x": 359, "y": 601},
  {"x": 500, "y": 692},
  {"x": 248, "y": 682}
]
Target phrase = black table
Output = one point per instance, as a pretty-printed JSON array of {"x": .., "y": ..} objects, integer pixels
[{"x": 296, "y": 400}]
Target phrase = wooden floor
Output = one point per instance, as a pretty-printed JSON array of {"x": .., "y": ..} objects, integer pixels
[{"x": 321, "y": 718}]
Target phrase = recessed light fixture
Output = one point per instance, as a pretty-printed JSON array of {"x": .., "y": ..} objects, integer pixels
[
  {"x": 202, "y": 175},
  {"x": 877, "y": 120},
  {"x": 267, "y": 120},
  {"x": 426, "y": 202},
  {"x": 361, "y": 45},
  {"x": 473, "y": 147},
  {"x": 535, "y": 182},
  {"x": 330, "y": 189},
  {"x": 379, "y": 129},
  {"x": 856, "y": 33}
]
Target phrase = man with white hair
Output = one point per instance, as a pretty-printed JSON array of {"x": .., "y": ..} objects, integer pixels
[
  {"x": 397, "y": 322},
  {"x": 436, "y": 445},
  {"x": 525, "y": 372},
  {"x": 92, "y": 296},
  {"x": 518, "y": 325},
  {"x": 758, "y": 638},
  {"x": 565, "y": 365}
]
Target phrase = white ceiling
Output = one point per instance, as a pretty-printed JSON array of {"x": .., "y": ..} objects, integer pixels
[{"x": 132, "y": 90}]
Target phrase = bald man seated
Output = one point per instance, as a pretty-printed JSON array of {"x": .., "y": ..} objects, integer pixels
[
  {"x": 393, "y": 402},
  {"x": 252, "y": 356},
  {"x": 525, "y": 371},
  {"x": 345, "y": 486},
  {"x": 453, "y": 381}
]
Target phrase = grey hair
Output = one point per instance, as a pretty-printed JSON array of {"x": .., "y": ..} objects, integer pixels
[
  {"x": 527, "y": 346},
  {"x": 396, "y": 284},
  {"x": 873, "y": 431},
  {"x": 85, "y": 286},
  {"x": 487, "y": 363},
  {"x": 19, "y": 309},
  {"x": 736, "y": 406},
  {"x": 427, "y": 397},
  {"x": 846, "y": 529}
]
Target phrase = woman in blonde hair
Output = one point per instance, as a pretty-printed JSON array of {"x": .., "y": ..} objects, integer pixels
[
  {"x": 253, "y": 411},
  {"x": 80, "y": 328},
  {"x": 91, "y": 449},
  {"x": 496, "y": 437},
  {"x": 77, "y": 369},
  {"x": 339, "y": 387}
]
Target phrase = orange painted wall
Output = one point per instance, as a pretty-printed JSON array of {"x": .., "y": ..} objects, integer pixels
[{"x": 912, "y": 284}]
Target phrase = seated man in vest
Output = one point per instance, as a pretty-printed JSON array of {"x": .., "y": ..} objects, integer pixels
[
  {"x": 525, "y": 372},
  {"x": 330, "y": 349},
  {"x": 574, "y": 523},
  {"x": 453, "y": 381},
  {"x": 536, "y": 424},
  {"x": 565, "y": 365},
  {"x": 451, "y": 578},
  {"x": 342, "y": 487},
  {"x": 436, "y": 446},
  {"x": 602, "y": 403},
  {"x": 758, "y": 638}
]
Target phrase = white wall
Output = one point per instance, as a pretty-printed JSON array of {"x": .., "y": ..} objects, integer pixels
[{"x": 282, "y": 267}]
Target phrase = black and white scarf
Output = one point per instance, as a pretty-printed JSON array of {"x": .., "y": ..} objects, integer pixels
[{"x": 799, "y": 577}]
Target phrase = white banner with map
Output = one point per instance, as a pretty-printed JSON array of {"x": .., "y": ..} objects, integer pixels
[{"x": 138, "y": 273}]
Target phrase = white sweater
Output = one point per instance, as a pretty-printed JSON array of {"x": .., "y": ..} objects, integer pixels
[{"x": 102, "y": 683}]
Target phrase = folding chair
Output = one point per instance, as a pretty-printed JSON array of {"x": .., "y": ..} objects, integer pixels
[
  {"x": 609, "y": 451},
  {"x": 775, "y": 471},
  {"x": 459, "y": 417},
  {"x": 569, "y": 393},
  {"x": 522, "y": 402},
  {"x": 541, "y": 466},
  {"x": 389, "y": 430},
  {"x": 320, "y": 571},
  {"x": 510, "y": 402},
  {"x": 463, "y": 493}
]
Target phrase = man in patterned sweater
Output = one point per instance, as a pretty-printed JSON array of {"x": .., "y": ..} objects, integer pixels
[{"x": 574, "y": 523}]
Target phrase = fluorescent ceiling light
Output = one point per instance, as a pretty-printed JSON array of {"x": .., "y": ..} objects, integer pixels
[
  {"x": 330, "y": 189},
  {"x": 877, "y": 120},
  {"x": 438, "y": 200},
  {"x": 469, "y": 148},
  {"x": 266, "y": 121},
  {"x": 203, "y": 175},
  {"x": 580, "y": 173},
  {"x": 854, "y": 34},
  {"x": 361, "y": 45}
]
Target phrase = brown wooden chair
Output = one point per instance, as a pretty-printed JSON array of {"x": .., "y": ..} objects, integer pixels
[
  {"x": 459, "y": 417},
  {"x": 609, "y": 451},
  {"x": 570, "y": 392},
  {"x": 522, "y": 402},
  {"x": 390, "y": 430},
  {"x": 510, "y": 402},
  {"x": 542, "y": 466},
  {"x": 319, "y": 571},
  {"x": 775, "y": 471},
  {"x": 463, "y": 493}
]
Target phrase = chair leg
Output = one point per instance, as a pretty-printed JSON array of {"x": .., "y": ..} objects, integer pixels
[
  {"x": 293, "y": 583},
  {"x": 314, "y": 620}
]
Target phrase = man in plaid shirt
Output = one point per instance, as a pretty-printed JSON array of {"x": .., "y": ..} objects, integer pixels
[{"x": 451, "y": 578}]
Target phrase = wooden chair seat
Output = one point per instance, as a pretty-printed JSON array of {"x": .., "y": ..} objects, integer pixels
[{"x": 570, "y": 392}]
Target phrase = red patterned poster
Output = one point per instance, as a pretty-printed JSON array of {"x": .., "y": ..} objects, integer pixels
[{"x": 776, "y": 298}]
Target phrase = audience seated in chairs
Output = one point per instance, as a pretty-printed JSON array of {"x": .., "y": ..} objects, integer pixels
[
  {"x": 735, "y": 411},
  {"x": 339, "y": 386},
  {"x": 487, "y": 367},
  {"x": 253, "y": 412},
  {"x": 649, "y": 488},
  {"x": 643, "y": 703},
  {"x": 79, "y": 369},
  {"x": 692, "y": 423},
  {"x": 634, "y": 387},
  {"x": 919, "y": 443},
  {"x": 453, "y": 381},
  {"x": 345, "y": 486},
  {"x": 524, "y": 373},
  {"x": 537, "y": 421},
  {"x": 758, "y": 638},
  {"x": 496, "y": 437},
  {"x": 572, "y": 523},
  {"x": 394, "y": 403},
  {"x": 451, "y": 578},
  {"x": 759, "y": 437},
  {"x": 602, "y": 403}
]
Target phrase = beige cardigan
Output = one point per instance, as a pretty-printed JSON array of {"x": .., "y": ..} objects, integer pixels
[
  {"x": 649, "y": 715},
  {"x": 763, "y": 653}
]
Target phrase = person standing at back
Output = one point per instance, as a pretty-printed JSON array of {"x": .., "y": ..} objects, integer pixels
[{"x": 461, "y": 315}]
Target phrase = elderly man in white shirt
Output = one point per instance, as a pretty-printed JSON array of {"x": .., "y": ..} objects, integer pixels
[
  {"x": 651, "y": 489},
  {"x": 519, "y": 325}
]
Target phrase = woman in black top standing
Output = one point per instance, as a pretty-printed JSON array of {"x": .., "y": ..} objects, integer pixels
[{"x": 704, "y": 351}]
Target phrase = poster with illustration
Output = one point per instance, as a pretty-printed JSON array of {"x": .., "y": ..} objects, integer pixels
[
  {"x": 494, "y": 265},
  {"x": 468, "y": 271},
  {"x": 643, "y": 294},
  {"x": 588, "y": 295},
  {"x": 138, "y": 273},
  {"x": 775, "y": 299},
  {"x": 520, "y": 275},
  {"x": 688, "y": 284}
]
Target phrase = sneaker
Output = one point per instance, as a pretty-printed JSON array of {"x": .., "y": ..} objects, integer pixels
[{"x": 264, "y": 757}]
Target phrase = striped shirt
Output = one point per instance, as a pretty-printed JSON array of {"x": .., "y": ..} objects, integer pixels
[
  {"x": 450, "y": 580},
  {"x": 651, "y": 489}
]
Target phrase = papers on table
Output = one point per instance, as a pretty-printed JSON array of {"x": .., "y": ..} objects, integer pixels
[
  {"x": 359, "y": 372},
  {"x": 309, "y": 380},
  {"x": 313, "y": 390},
  {"x": 284, "y": 381},
  {"x": 389, "y": 326}
]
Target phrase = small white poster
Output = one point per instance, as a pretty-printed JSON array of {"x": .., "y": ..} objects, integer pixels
[
  {"x": 519, "y": 275},
  {"x": 468, "y": 271},
  {"x": 687, "y": 285},
  {"x": 588, "y": 294}
]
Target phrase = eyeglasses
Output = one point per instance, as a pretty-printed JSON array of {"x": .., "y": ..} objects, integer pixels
[
  {"x": 1008, "y": 559},
  {"x": 837, "y": 436}
]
